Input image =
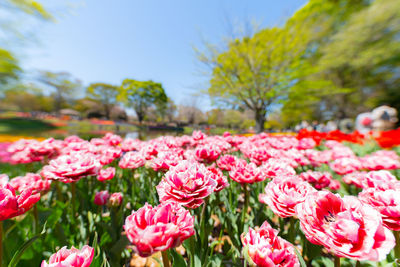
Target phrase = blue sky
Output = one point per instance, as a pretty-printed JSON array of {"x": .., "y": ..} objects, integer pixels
[{"x": 109, "y": 40}]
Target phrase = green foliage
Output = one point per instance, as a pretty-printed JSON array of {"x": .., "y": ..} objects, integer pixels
[
  {"x": 63, "y": 83},
  {"x": 23, "y": 126},
  {"x": 104, "y": 93},
  {"x": 256, "y": 72},
  {"x": 353, "y": 51},
  {"x": 141, "y": 95},
  {"x": 331, "y": 59},
  {"x": 31, "y": 7},
  {"x": 8, "y": 66}
]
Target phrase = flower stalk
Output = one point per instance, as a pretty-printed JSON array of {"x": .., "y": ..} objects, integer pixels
[
  {"x": 1, "y": 243},
  {"x": 337, "y": 261},
  {"x": 165, "y": 259},
  {"x": 397, "y": 247},
  {"x": 245, "y": 207}
]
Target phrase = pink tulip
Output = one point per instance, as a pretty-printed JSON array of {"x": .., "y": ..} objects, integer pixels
[
  {"x": 283, "y": 194},
  {"x": 306, "y": 143},
  {"x": 318, "y": 179},
  {"x": 345, "y": 165},
  {"x": 159, "y": 228},
  {"x": 188, "y": 183},
  {"x": 267, "y": 249},
  {"x": 380, "y": 180},
  {"x": 30, "y": 180},
  {"x": 345, "y": 226},
  {"x": 355, "y": 178},
  {"x": 115, "y": 200},
  {"x": 71, "y": 168},
  {"x": 112, "y": 139},
  {"x": 226, "y": 162},
  {"x": 129, "y": 144},
  {"x": 387, "y": 202},
  {"x": 71, "y": 257},
  {"x": 244, "y": 173},
  {"x": 219, "y": 177},
  {"x": 106, "y": 174},
  {"x": 101, "y": 198},
  {"x": 277, "y": 168},
  {"x": 207, "y": 153},
  {"x": 4, "y": 179},
  {"x": 12, "y": 205},
  {"x": 379, "y": 162},
  {"x": 165, "y": 160},
  {"x": 132, "y": 160}
]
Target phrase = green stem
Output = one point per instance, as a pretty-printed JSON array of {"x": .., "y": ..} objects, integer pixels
[
  {"x": 397, "y": 247},
  {"x": 35, "y": 218},
  {"x": 165, "y": 259},
  {"x": 358, "y": 264},
  {"x": 337, "y": 261},
  {"x": 192, "y": 250},
  {"x": 292, "y": 229},
  {"x": 1, "y": 243},
  {"x": 73, "y": 195},
  {"x": 245, "y": 207},
  {"x": 202, "y": 222}
]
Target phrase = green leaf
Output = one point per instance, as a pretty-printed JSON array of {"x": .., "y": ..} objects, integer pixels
[
  {"x": 18, "y": 254},
  {"x": 178, "y": 260},
  {"x": 301, "y": 260},
  {"x": 197, "y": 261}
]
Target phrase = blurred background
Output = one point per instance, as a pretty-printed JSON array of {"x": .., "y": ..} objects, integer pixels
[{"x": 144, "y": 68}]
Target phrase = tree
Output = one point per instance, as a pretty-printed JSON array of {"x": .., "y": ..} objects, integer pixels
[
  {"x": 9, "y": 68},
  {"x": 189, "y": 111},
  {"x": 255, "y": 72},
  {"x": 105, "y": 93},
  {"x": 141, "y": 95},
  {"x": 322, "y": 92},
  {"x": 364, "y": 55},
  {"x": 10, "y": 28},
  {"x": 170, "y": 111},
  {"x": 63, "y": 83}
]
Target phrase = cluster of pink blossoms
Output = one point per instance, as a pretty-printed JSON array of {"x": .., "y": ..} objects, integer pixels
[{"x": 194, "y": 167}]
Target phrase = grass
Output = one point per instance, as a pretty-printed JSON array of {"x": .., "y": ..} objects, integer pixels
[{"x": 23, "y": 126}]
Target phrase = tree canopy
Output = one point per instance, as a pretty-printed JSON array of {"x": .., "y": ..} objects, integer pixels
[
  {"x": 331, "y": 59},
  {"x": 143, "y": 95},
  {"x": 105, "y": 93}
]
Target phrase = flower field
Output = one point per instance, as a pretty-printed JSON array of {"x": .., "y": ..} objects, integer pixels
[{"x": 311, "y": 199}]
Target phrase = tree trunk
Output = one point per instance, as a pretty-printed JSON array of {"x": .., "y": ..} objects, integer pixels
[
  {"x": 140, "y": 117},
  {"x": 107, "y": 111},
  {"x": 260, "y": 120}
]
